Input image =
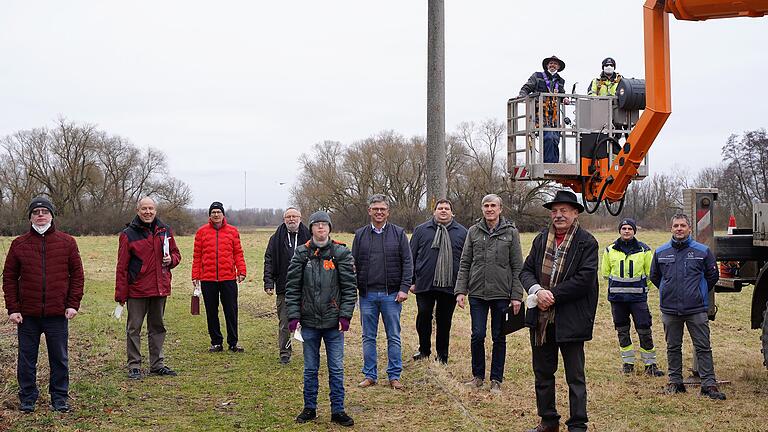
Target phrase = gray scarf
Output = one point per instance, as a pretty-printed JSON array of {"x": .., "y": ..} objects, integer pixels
[{"x": 444, "y": 266}]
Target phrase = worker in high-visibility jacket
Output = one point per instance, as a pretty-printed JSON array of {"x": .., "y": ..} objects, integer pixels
[
  {"x": 627, "y": 264},
  {"x": 607, "y": 82}
]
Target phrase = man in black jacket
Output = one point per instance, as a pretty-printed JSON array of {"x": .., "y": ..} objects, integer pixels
[
  {"x": 548, "y": 81},
  {"x": 436, "y": 248},
  {"x": 560, "y": 275},
  {"x": 282, "y": 244}
]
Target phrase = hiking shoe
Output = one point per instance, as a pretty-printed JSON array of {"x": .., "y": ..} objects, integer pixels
[
  {"x": 342, "y": 418},
  {"x": 27, "y": 407},
  {"x": 134, "y": 373},
  {"x": 307, "y": 414},
  {"x": 396, "y": 384},
  {"x": 542, "y": 428},
  {"x": 674, "y": 388},
  {"x": 215, "y": 348},
  {"x": 628, "y": 368},
  {"x": 420, "y": 356},
  {"x": 712, "y": 392},
  {"x": 61, "y": 407},
  {"x": 653, "y": 370},
  {"x": 495, "y": 387},
  {"x": 165, "y": 370},
  {"x": 442, "y": 360},
  {"x": 236, "y": 348},
  {"x": 475, "y": 382},
  {"x": 285, "y": 360}
]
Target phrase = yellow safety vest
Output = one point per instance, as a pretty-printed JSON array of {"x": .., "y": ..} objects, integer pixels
[{"x": 604, "y": 87}]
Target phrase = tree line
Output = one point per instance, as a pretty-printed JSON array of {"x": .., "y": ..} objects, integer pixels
[{"x": 95, "y": 178}]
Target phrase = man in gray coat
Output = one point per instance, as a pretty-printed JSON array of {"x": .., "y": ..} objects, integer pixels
[{"x": 488, "y": 272}]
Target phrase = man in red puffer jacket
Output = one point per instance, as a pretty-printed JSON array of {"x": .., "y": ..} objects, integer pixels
[
  {"x": 43, "y": 285},
  {"x": 218, "y": 266}
]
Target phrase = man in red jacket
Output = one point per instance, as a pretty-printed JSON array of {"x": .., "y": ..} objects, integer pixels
[
  {"x": 43, "y": 285},
  {"x": 146, "y": 255},
  {"x": 218, "y": 266}
]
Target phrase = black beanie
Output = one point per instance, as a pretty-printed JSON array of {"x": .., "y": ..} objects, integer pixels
[
  {"x": 630, "y": 222},
  {"x": 320, "y": 216},
  {"x": 216, "y": 205},
  {"x": 40, "y": 202}
]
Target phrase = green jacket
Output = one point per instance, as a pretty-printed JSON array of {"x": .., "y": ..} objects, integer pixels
[
  {"x": 320, "y": 287},
  {"x": 491, "y": 263}
]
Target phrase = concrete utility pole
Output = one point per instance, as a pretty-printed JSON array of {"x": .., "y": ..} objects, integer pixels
[{"x": 437, "y": 183}]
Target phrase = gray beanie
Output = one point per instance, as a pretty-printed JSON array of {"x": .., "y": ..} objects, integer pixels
[
  {"x": 38, "y": 203},
  {"x": 320, "y": 216}
]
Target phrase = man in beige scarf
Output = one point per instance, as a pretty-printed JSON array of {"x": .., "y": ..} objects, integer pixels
[{"x": 560, "y": 276}]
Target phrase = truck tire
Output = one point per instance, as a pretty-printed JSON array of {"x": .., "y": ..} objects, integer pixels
[{"x": 764, "y": 337}]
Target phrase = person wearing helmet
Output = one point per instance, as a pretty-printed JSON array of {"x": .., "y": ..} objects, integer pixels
[{"x": 606, "y": 83}]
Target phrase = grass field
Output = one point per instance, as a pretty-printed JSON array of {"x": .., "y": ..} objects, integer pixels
[{"x": 251, "y": 391}]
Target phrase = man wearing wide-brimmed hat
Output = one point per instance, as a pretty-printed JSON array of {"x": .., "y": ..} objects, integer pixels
[
  {"x": 560, "y": 276},
  {"x": 548, "y": 81}
]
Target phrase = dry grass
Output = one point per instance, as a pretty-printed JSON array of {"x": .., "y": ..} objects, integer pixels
[{"x": 252, "y": 392}]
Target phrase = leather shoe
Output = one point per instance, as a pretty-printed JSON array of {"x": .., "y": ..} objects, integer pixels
[
  {"x": 367, "y": 382},
  {"x": 542, "y": 428},
  {"x": 396, "y": 384},
  {"x": 419, "y": 356}
]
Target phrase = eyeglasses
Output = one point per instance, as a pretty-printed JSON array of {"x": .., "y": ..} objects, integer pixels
[
  {"x": 379, "y": 209},
  {"x": 41, "y": 212},
  {"x": 217, "y": 212}
]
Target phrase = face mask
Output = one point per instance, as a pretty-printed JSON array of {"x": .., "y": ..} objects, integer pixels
[
  {"x": 608, "y": 70},
  {"x": 41, "y": 229},
  {"x": 552, "y": 71}
]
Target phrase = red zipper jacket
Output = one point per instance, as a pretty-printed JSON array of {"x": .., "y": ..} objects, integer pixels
[
  {"x": 43, "y": 274},
  {"x": 140, "y": 271},
  {"x": 218, "y": 254}
]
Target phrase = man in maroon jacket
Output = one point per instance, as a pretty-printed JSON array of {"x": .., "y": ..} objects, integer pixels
[
  {"x": 43, "y": 285},
  {"x": 146, "y": 255}
]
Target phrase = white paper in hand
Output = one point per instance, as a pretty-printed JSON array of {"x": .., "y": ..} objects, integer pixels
[
  {"x": 297, "y": 334},
  {"x": 166, "y": 246},
  {"x": 118, "y": 312}
]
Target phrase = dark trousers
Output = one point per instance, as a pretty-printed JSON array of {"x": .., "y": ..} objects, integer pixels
[
  {"x": 544, "y": 368},
  {"x": 478, "y": 312},
  {"x": 56, "y": 330},
  {"x": 227, "y": 292},
  {"x": 443, "y": 313},
  {"x": 283, "y": 334}
]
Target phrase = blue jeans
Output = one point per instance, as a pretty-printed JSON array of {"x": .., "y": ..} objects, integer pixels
[
  {"x": 478, "y": 312},
  {"x": 551, "y": 147},
  {"x": 371, "y": 306},
  {"x": 334, "y": 351},
  {"x": 56, "y": 330}
]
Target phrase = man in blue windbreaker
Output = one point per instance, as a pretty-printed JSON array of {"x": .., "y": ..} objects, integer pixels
[{"x": 685, "y": 271}]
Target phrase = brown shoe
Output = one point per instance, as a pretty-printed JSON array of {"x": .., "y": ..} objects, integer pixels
[
  {"x": 367, "y": 382},
  {"x": 396, "y": 384},
  {"x": 542, "y": 428},
  {"x": 475, "y": 382}
]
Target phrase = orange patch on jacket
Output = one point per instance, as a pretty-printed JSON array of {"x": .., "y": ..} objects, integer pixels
[{"x": 329, "y": 265}]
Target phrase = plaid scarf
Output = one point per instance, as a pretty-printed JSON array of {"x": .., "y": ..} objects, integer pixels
[{"x": 552, "y": 272}]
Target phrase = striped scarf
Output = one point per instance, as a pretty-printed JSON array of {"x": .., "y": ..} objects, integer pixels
[
  {"x": 444, "y": 266},
  {"x": 552, "y": 272}
]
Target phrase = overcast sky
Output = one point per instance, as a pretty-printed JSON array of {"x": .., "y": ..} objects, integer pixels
[{"x": 234, "y": 86}]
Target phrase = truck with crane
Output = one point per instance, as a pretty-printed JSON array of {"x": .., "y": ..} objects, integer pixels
[{"x": 606, "y": 147}]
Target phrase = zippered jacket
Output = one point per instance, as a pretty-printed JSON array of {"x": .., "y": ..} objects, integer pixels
[
  {"x": 320, "y": 287},
  {"x": 217, "y": 254},
  {"x": 576, "y": 293},
  {"x": 140, "y": 271},
  {"x": 43, "y": 274},
  {"x": 398, "y": 262},
  {"x": 490, "y": 263},
  {"x": 685, "y": 272},
  {"x": 627, "y": 265},
  {"x": 425, "y": 257}
]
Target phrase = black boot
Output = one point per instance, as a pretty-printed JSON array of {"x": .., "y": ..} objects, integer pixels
[
  {"x": 342, "y": 418},
  {"x": 307, "y": 414},
  {"x": 712, "y": 392},
  {"x": 628, "y": 368},
  {"x": 653, "y": 370}
]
